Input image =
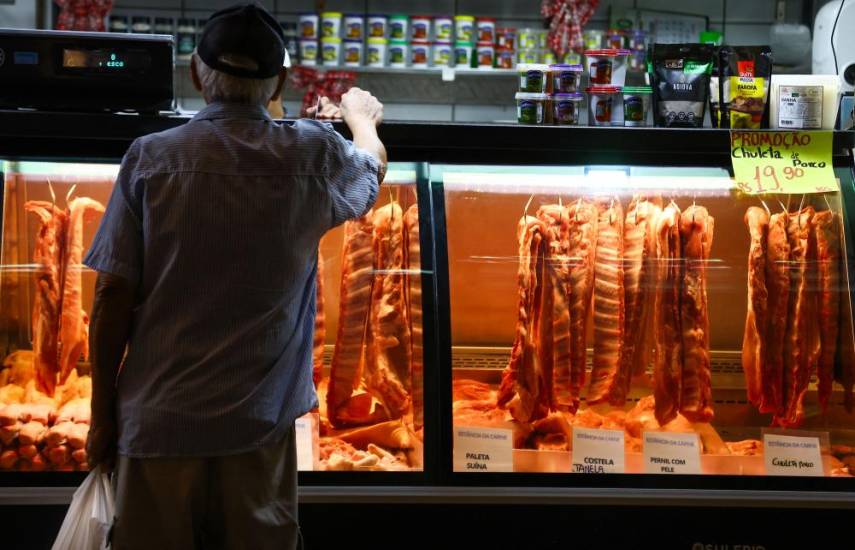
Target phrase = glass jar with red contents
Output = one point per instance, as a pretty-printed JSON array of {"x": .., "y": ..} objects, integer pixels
[{"x": 506, "y": 38}]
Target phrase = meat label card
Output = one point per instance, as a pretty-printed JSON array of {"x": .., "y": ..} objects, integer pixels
[
  {"x": 788, "y": 455},
  {"x": 782, "y": 162},
  {"x": 672, "y": 453},
  {"x": 305, "y": 430},
  {"x": 597, "y": 451},
  {"x": 483, "y": 450}
]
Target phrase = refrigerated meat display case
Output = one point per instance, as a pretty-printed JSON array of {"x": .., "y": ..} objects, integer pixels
[{"x": 482, "y": 309}]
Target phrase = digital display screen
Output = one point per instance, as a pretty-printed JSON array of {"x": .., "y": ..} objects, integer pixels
[
  {"x": 106, "y": 60},
  {"x": 26, "y": 58}
]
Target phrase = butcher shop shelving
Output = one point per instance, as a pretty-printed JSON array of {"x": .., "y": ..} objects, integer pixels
[{"x": 472, "y": 184}]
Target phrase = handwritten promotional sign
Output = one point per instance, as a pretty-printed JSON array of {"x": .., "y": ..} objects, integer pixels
[
  {"x": 597, "y": 451},
  {"x": 483, "y": 450},
  {"x": 671, "y": 453},
  {"x": 788, "y": 455},
  {"x": 305, "y": 429},
  {"x": 782, "y": 162}
]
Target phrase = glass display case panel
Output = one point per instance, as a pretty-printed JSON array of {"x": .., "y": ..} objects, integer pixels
[
  {"x": 373, "y": 262},
  {"x": 689, "y": 326}
]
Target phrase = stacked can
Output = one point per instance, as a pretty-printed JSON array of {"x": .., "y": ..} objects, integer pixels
[
  {"x": 308, "y": 33},
  {"x": 420, "y": 49},
  {"x": 638, "y": 51},
  {"x": 464, "y": 40},
  {"x": 444, "y": 33}
]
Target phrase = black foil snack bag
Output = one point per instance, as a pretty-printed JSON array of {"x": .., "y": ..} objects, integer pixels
[
  {"x": 681, "y": 82},
  {"x": 746, "y": 76}
]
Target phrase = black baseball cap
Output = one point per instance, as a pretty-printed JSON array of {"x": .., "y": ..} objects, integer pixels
[{"x": 247, "y": 30}]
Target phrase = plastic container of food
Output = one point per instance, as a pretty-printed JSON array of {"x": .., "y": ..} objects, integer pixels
[
  {"x": 309, "y": 52},
  {"x": 354, "y": 27},
  {"x": 566, "y": 108},
  {"x": 353, "y": 50},
  {"x": 309, "y": 26},
  {"x": 421, "y": 27},
  {"x": 442, "y": 52},
  {"x": 566, "y": 78},
  {"x": 638, "y": 40},
  {"x": 420, "y": 54},
  {"x": 549, "y": 57},
  {"x": 398, "y": 53},
  {"x": 399, "y": 27},
  {"x": 593, "y": 39},
  {"x": 534, "y": 78},
  {"x": 376, "y": 52},
  {"x": 615, "y": 39},
  {"x": 606, "y": 106},
  {"x": 636, "y": 105},
  {"x": 506, "y": 37},
  {"x": 377, "y": 26},
  {"x": 486, "y": 55},
  {"x": 532, "y": 108},
  {"x": 331, "y": 24},
  {"x": 331, "y": 51},
  {"x": 464, "y": 28},
  {"x": 505, "y": 58},
  {"x": 528, "y": 39},
  {"x": 607, "y": 67},
  {"x": 542, "y": 37},
  {"x": 443, "y": 28},
  {"x": 463, "y": 54},
  {"x": 528, "y": 56},
  {"x": 486, "y": 29}
]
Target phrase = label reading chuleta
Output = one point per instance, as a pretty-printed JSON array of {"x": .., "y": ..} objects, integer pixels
[
  {"x": 788, "y": 455},
  {"x": 483, "y": 450},
  {"x": 304, "y": 430},
  {"x": 671, "y": 453},
  {"x": 597, "y": 451}
]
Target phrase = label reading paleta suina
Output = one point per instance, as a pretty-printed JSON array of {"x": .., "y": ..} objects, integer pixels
[{"x": 483, "y": 449}]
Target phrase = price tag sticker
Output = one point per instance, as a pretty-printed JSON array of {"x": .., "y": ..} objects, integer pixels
[
  {"x": 788, "y": 455},
  {"x": 782, "y": 162},
  {"x": 483, "y": 449},
  {"x": 306, "y": 432},
  {"x": 597, "y": 451},
  {"x": 448, "y": 74},
  {"x": 672, "y": 453}
]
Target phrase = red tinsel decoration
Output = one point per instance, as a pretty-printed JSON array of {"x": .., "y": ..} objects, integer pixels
[
  {"x": 329, "y": 84},
  {"x": 566, "y": 20},
  {"x": 82, "y": 15}
]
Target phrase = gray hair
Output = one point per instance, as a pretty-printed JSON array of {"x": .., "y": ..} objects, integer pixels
[{"x": 219, "y": 86}]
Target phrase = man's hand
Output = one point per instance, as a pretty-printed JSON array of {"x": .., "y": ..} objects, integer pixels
[
  {"x": 327, "y": 110},
  {"x": 358, "y": 106},
  {"x": 101, "y": 445}
]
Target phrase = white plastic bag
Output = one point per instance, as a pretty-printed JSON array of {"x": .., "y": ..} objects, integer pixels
[{"x": 89, "y": 517}]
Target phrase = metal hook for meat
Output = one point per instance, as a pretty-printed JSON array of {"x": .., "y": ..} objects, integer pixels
[
  {"x": 828, "y": 204},
  {"x": 612, "y": 211},
  {"x": 801, "y": 204},
  {"x": 766, "y": 206},
  {"x": 783, "y": 206},
  {"x": 578, "y": 207},
  {"x": 525, "y": 210},
  {"x": 52, "y": 194},
  {"x": 69, "y": 194},
  {"x": 560, "y": 204}
]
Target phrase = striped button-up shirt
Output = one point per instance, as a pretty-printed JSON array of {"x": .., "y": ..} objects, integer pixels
[{"x": 217, "y": 224}]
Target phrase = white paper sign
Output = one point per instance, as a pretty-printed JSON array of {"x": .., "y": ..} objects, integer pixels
[
  {"x": 788, "y": 455},
  {"x": 448, "y": 74},
  {"x": 483, "y": 450},
  {"x": 305, "y": 429},
  {"x": 671, "y": 453},
  {"x": 597, "y": 451}
]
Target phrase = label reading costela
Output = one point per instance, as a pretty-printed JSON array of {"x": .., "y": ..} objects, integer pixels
[
  {"x": 597, "y": 451},
  {"x": 800, "y": 107}
]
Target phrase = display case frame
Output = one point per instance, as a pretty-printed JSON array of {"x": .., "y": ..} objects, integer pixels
[{"x": 69, "y": 137}]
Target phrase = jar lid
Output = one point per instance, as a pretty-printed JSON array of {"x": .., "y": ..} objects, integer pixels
[
  {"x": 532, "y": 67},
  {"x": 383, "y": 15},
  {"x": 464, "y": 44},
  {"x": 485, "y": 44},
  {"x": 445, "y": 43},
  {"x": 398, "y": 43},
  {"x": 421, "y": 43},
  {"x": 603, "y": 89},
  {"x": 607, "y": 52},
  {"x": 359, "y": 15},
  {"x": 576, "y": 96},
  {"x": 352, "y": 41},
  {"x": 531, "y": 95},
  {"x": 308, "y": 40},
  {"x": 331, "y": 14},
  {"x": 465, "y": 17},
  {"x": 377, "y": 40},
  {"x": 504, "y": 49},
  {"x": 422, "y": 17},
  {"x": 331, "y": 40},
  {"x": 565, "y": 67},
  {"x": 443, "y": 17},
  {"x": 399, "y": 16},
  {"x": 637, "y": 90},
  {"x": 487, "y": 19}
]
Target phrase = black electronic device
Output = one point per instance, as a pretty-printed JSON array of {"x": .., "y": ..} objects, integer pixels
[{"x": 86, "y": 71}]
